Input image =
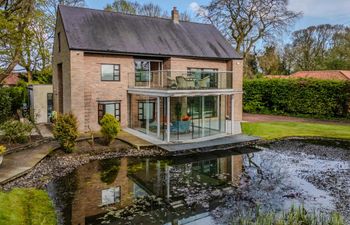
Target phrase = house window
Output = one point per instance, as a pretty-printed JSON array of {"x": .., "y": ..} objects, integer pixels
[
  {"x": 59, "y": 41},
  {"x": 110, "y": 196},
  {"x": 110, "y": 72},
  {"x": 146, "y": 110},
  {"x": 112, "y": 108},
  {"x": 143, "y": 71}
]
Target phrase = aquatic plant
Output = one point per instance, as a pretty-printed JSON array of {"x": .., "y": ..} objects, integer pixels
[{"x": 294, "y": 216}]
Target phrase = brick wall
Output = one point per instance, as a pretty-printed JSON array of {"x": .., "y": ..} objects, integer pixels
[
  {"x": 62, "y": 57},
  {"x": 88, "y": 89}
]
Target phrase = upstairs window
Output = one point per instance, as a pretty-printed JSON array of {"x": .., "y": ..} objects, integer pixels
[{"x": 110, "y": 72}]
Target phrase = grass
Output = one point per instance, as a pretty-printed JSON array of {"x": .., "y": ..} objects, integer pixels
[
  {"x": 275, "y": 130},
  {"x": 26, "y": 206},
  {"x": 296, "y": 216}
]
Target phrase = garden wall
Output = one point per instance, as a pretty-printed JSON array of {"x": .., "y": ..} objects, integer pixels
[{"x": 307, "y": 97}]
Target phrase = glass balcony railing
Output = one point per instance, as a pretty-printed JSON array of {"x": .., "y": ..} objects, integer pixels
[{"x": 181, "y": 80}]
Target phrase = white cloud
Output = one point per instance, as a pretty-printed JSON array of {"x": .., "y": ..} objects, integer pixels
[
  {"x": 197, "y": 9},
  {"x": 322, "y": 8}
]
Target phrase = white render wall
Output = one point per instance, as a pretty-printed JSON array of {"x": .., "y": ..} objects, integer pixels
[{"x": 38, "y": 102}]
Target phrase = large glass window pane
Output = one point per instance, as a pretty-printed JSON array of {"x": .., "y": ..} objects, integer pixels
[
  {"x": 107, "y": 72},
  {"x": 142, "y": 69},
  {"x": 110, "y": 108}
]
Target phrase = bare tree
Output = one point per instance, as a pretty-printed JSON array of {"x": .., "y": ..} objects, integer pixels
[
  {"x": 246, "y": 22},
  {"x": 148, "y": 9}
]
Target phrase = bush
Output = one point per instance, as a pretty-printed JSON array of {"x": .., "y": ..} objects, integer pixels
[
  {"x": 16, "y": 131},
  {"x": 11, "y": 99},
  {"x": 5, "y": 105},
  {"x": 110, "y": 128},
  {"x": 309, "y": 97},
  {"x": 65, "y": 130}
]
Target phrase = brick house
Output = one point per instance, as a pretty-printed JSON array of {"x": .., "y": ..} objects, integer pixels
[{"x": 166, "y": 79}]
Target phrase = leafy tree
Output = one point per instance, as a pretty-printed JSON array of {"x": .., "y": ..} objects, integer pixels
[
  {"x": 15, "y": 18},
  {"x": 271, "y": 62},
  {"x": 247, "y": 22},
  {"x": 338, "y": 57},
  {"x": 310, "y": 46}
]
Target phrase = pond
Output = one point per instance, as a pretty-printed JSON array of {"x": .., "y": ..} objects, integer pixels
[{"x": 207, "y": 188}]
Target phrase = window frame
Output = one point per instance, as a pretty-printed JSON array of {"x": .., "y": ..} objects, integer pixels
[
  {"x": 103, "y": 109},
  {"x": 114, "y": 70},
  {"x": 143, "y": 112}
]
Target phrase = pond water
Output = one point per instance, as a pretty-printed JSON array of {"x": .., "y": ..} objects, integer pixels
[{"x": 207, "y": 188}]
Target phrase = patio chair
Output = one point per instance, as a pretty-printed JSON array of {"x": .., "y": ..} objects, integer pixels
[
  {"x": 184, "y": 83},
  {"x": 171, "y": 83},
  {"x": 204, "y": 82}
]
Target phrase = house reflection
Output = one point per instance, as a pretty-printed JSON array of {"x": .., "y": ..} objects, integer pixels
[{"x": 117, "y": 183}]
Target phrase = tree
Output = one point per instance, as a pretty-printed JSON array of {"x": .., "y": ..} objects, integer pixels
[
  {"x": 338, "y": 57},
  {"x": 246, "y": 22},
  {"x": 147, "y": 9},
  {"x": 271, "y": 61},
  {"x": 310, "y": 46},
  {"x": 15, "y": 18}
]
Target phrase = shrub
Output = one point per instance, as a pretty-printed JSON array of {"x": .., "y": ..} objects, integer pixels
[
  {"x": 65, "y": 131},
  {"x": 2, "y": 149},
  {"x": 293, "y": 217},
  {"x": 11, "y": 99},
  {"x": 16, "y": 131},
  {"x": 5, "y": 105},
  {"x": 312, "y": 97},
  {"x": 110, "y": 128}
]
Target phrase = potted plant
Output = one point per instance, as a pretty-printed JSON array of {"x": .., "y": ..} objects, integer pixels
[{"x": 2, "y": 152}]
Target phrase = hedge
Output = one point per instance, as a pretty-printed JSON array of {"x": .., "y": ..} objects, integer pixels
[
  {"x": 11, "y": 99},
  {"x": 309, "y": 97}
]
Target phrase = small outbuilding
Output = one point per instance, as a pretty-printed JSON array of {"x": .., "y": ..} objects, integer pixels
[{"x": 40, "y": 102}]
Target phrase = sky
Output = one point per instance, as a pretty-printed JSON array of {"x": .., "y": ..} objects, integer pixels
[{"x": 314, "y": 11}]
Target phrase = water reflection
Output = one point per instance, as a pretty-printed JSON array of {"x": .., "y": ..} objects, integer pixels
[
  {"x": 211, "y": 188},
  {"x": 174, "y": 189}
]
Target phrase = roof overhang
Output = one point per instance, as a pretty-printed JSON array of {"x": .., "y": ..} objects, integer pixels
[{"x": 181, "y": 93}]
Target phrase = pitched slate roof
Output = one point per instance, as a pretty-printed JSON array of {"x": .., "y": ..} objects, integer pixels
[{"x": 103, "y": 31}]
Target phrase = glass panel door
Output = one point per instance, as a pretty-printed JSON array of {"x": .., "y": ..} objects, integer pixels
[{"x": 142, "y": 73}]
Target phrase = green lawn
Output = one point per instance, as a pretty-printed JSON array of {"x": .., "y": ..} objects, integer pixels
[
  {"x": 26, "y": 206},
  {"x": 276, "y": 130}
]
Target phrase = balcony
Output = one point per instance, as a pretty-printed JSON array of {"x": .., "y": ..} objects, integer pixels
[{"x": 181, "y": 80}]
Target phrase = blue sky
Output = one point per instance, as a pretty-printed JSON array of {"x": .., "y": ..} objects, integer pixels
[{"x": 315, "y": 11}]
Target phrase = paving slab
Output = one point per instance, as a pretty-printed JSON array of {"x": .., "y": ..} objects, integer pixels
[
  {"x": 19, "y": 163},
  {"x": 44, "y": 130},
  {"x": 133, "y": 140},
  {"x": 209, "y": 145}
]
